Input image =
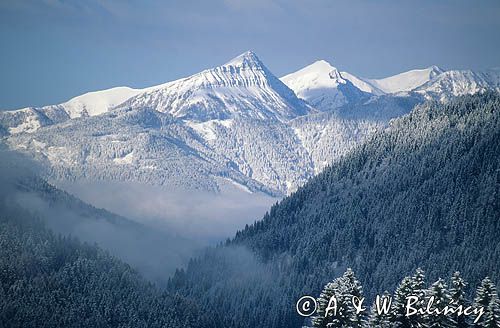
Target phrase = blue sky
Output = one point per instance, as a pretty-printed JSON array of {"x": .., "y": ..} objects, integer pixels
[{"x": 52, "y": 50}]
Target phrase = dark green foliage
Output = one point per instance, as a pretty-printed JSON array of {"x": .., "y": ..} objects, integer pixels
[
  {"x": 343, "y": 289},
  {"x": 487, "y": 297},
  {"x": 457, "y": 294},
  {"x": 53, "y": 281},
  {"x": 398, "y": 309},
  {"x": 425, "y": 193},
  {"x": 379, "y": 317},
  {"x": 439, "y": 292}
]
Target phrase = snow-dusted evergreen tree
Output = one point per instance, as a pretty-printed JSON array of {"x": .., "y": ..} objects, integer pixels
[
  {"x": 398, "y": 312},
  {"x": 486, "y": 297},
  {"x": 409, "y": 286},
  {"x": 378, "y": 316},
  {"x": 457, "y": 295},
  {"x": 418, "y": 283},
  {"x": 343, "y": 290},
  {"x": 441, "y": 297},
  {"x": 322, "y": 318},
  {"x": 353, "y": 293}
]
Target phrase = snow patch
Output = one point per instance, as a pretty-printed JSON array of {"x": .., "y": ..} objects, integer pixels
[
  {"x": 98, "y": 102},
  {"x": 239, "y": 185},
  {"x": 127, "y": 159},
  {"x": 406, "y": 81},
  {"x": 29, "y": 125},
  {"x": 204, "y": 129}
]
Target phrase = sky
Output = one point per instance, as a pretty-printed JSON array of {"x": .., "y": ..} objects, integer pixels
[{"x": 53, "y": 50}]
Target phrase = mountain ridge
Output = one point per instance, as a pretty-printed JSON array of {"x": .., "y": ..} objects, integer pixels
[
  {"x": 241, "y": 87},
  {"x": 313, "y": 83},
  {"x": 235, "y": 124},
  {"x": 29, "y": 119}
]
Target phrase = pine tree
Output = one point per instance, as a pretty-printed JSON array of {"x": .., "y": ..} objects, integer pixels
[
  {"x": 353, "y": 292},
  {"x": 340, "y": 293},
  {"x": 487, "y": 298},
  {"x": 418, "y": 283},
  {"x": 398, "y": 310},
  {"x": 322, "y": 318},
  {"x": 441, "y": 297},
  {"x": 378, "y": 316},
  {"x": 457, "y": 295}
]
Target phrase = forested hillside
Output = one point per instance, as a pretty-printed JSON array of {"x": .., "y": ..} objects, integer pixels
[
  {"x": 424, "y": 193},
  {"x": 52, "y": 281}
]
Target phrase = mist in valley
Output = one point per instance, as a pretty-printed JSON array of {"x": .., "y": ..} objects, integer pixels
[
  {"x": 156, "y": 230},
  {"x": 202, "y": 216}
]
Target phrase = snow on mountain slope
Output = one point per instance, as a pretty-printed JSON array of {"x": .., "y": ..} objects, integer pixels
[
  {"x": 361, "y": 84},
  {"x": 98, "y": 102},
  {"x": 406, "y": 81},
  {"x": 266, "y": 151},
  {"x": 89, "y": 104},
  {"x": 31, "y": 119},
  {"x": 144, "y": 146},
  {"x": 236, "y": 124},
  {"x": 326, "y": 136},
  {"x": 456, "y": 83},
  {"x": 243, "y": 87},
  {"x": 153, "y": 148},
  {"x": 323, "y": 86}
]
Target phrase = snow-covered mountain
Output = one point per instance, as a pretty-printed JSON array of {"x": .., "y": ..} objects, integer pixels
[
  {"x": 458, "y": 82},
  {"x": 89, "y": 104},
  {"x": 323, "y": 86},
  {"x": 406, "y": 81},
  {"x": 233, "y": 125},
  {"x": 96, "y": 103},
  {"x": 243, "y": 87},
  {"x": 326, "y": 88}
]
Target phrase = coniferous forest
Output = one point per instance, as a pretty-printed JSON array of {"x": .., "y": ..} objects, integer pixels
[
  {"x": 47, "y": 280},
  {"x": 419, "y": 200}
]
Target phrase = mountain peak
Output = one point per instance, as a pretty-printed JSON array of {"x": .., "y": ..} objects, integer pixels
[
  {"x": 243, "y": 87},
  {"x": 321, "y": 65},
  {"x": 246, "y": 59},
  {"x": 323, "y": 86},
  {"x": 435, "y": 70},
  {"x": 320, "y": 72}
]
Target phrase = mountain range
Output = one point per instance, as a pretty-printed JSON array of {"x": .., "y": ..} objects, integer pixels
[{"x": 233, "y": 125}]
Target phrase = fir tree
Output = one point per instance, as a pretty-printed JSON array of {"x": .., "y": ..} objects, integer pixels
[
  {"x": 353, "y": 293},
  {"x": 457, "y": 295},
  {"x": 378, "y": 316},
  {"x": 335, "y": 304},
  {"x": 418, "y": 283},
  {"x": 398, "y": 313},
  {"x": 487, "y": 298},
  {"x": 441, "y": 297},
  {"x": 324, "y": 318}
]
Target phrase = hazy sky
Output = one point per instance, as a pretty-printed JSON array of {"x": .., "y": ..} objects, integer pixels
[{"x": 52, "y": 50}]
